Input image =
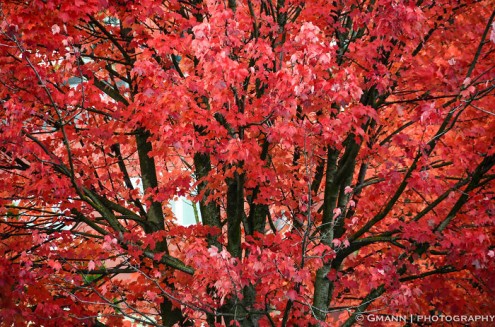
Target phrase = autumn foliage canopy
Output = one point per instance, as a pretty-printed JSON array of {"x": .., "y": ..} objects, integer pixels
[{"x": 340, "y": 154}]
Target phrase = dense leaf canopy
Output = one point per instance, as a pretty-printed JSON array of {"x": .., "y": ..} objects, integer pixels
[{"x": 340, "y": 153}]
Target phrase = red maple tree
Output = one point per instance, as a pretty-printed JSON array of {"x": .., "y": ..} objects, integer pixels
[{"x": 341, "y": 154}]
